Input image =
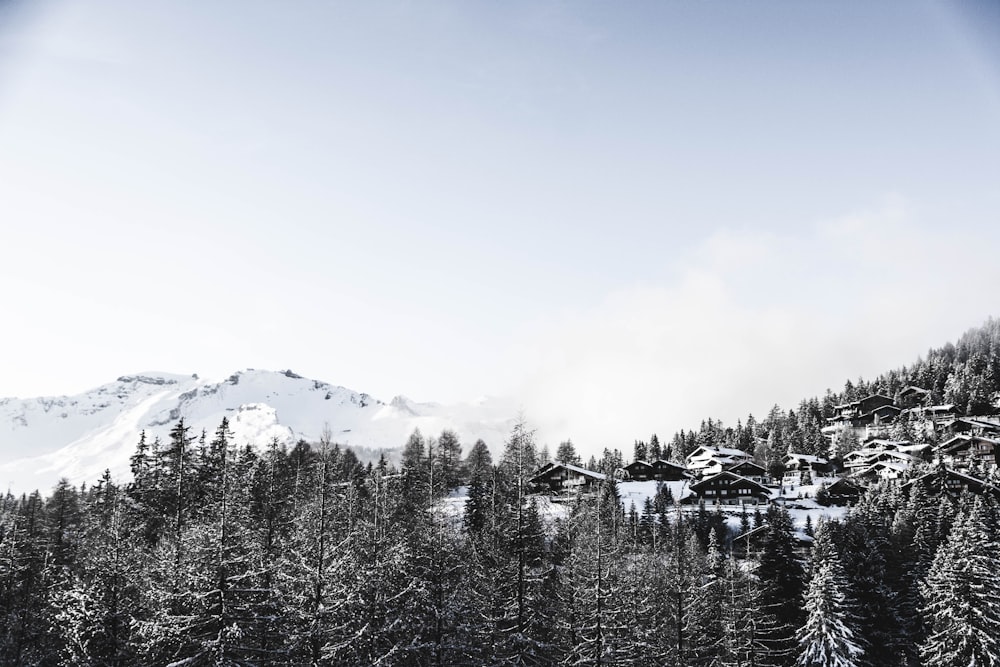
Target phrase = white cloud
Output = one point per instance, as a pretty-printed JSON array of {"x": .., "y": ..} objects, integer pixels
[{"x": 756, "y": 319}]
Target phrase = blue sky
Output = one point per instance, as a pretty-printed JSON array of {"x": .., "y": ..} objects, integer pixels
[{"x": 628, "y": 216}]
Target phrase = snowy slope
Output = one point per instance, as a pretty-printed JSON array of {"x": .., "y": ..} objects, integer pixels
[{"x": 43, "y": 439}]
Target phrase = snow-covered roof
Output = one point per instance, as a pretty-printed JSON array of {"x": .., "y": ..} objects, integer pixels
[
  {"x": 806, "y": 458},
  {"x": 555, "y": 465},
  {"x": 875, "y": 468},
  {"x": 704, "y": 452},
  {"x": 583, "y": 471},
  {"x": 731, "y": 475},
  {"x": 740, "y": 464},
  {"x": 663, "y": 462}
]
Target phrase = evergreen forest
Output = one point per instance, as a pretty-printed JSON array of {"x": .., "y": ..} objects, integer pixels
[{"x": 219, "y": 553}]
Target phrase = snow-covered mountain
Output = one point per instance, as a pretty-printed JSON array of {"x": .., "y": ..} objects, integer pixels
[{"x": 77, "y": 437}]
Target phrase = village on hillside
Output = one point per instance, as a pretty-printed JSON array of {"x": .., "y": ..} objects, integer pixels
[{"x": 959, "y": 454}]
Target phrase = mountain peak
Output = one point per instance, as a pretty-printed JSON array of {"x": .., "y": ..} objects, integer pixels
[{"x": 79, "y": 436}]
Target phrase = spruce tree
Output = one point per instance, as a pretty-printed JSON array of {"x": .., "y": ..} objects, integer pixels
[
  {"x": 962, "y": 596},
  {"x": 827, "y": 639}
]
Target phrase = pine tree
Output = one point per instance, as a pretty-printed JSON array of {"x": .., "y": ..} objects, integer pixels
[
  {"x": 781, "y": 589},
  {"x": 962, "y": 596},
  {"x": 827, "y": 639}
]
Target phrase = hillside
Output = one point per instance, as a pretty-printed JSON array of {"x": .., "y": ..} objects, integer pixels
[{"x": 77, "y": 437}]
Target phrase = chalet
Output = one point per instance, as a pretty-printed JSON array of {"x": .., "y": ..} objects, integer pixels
[
  {"x": 963, "y": 452},
  {"x": 797, "y": 465},
  {"x": 840, "y": 493},
  {"x": 972, "y": 426},
  {"x": 919, "y": 450},
  {"x": 712, "y": 460},
  {"x": 911, "y": 396},
  {"x": 859, "y": 408},
  {"x": 558, "y": 476},
  {"x": 750, "y": 470},
  {"x": 952, "y": 482},
  {"x": 867, "y": 417},
  {"x": 879, "y": 471},
  {"x": 727, "y": 488},
  {"x": 893, "y": 451},
  {"x": 933, "y": 413},
  {"x": 659, "y": 470}
]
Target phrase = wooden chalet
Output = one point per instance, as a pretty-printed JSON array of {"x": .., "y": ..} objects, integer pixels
[
  {"x": 951, "y": 482},
  {"x": 868, "y": 416},
  {"x": 712, "y": 460},
  {"x": 933, "y": 413},
  {"x": 659, "y": 470},
  {"x": 796, "y": 465},
  {"x": 840, "y": 493},
  {"x": 886, "y": 452},
  {"x": 972, "y": 426},
  {"x": 886, "y": 470},
  {"x": 964, "y": 452},
  {"x": 726, "y": 488},
  {"x": 860, "y": 408},
  {"x": 558, "y": 476},
  {"x": 751, "y": 471},
  {"x": 912, "y": 396}
]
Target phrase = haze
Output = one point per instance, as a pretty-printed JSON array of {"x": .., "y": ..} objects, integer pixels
[{"x": 629, "y": 217}]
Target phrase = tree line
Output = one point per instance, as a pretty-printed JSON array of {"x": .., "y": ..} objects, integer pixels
[
  {"x": 965, "y": 374},
  {"x": 217, "y": 553}
]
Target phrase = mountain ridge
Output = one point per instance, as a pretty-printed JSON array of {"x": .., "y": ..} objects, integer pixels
[{"x": 78, "y": 436}]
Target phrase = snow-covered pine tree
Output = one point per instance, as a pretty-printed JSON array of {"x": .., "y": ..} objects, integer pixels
[
  {"x": 962, "y": 596},
  {"x": 781, "y": 589},
  {"x": 828, "y": 638},
  {"x": 703, "y": 622}
]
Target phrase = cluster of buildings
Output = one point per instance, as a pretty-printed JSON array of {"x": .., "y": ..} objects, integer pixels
[
  {"x": 967, "y": 453},
  {"x": 717, "y": 475}
]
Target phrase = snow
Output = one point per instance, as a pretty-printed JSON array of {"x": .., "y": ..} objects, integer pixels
[
  {"x": 638, "y": 492},
  {"x": 77, "y": 437}
]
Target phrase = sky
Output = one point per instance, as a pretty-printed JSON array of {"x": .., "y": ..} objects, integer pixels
[{"x": 628, "y": 217}]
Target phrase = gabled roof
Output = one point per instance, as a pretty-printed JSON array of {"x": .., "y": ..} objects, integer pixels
[
  {"x": 891, "y": 408},
  {"x": 860, "y": 454},
  {"x": 973, "y": 422},
  {"x": 841, "y": 485},
  {"x": 747, "y": 464},
  {"x": 886, "y": 444},
  {"x": 864, "y": 457},
  {"x": 972, "y": 483},
  {"x": 962, "y": 440},
  {"x": 806, "y": 458},
  {"x": 857, "y": 403},
  {"x": 551, "y": 467},
  {"x": 732, "y": 476},
  {"x": 894, "y": 466},
  {"x": 663, "y": 463},
  {"x": 705, "y": 452},
  {"x": 584, "y": 471}
]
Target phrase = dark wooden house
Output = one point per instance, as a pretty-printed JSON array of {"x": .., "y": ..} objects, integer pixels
[
  {"x": 558, "y": 476},
  {"x": 727, "y": 488},
  {"x": 750, "y": 470},
  {"x": 659, "y": 470},
  {"x": 951, "y": 482},
  {"x": 840, "y": 493},
  {"x": 965, "y": 452}
]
